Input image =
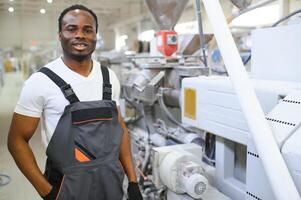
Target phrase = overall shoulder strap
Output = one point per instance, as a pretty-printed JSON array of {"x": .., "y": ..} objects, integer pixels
[
  {"x": 107, "y": 87},
  {"x": 65, "y": 87}
]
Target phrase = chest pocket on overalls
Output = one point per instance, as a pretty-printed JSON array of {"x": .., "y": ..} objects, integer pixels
[{"x": 92, "y": 128}]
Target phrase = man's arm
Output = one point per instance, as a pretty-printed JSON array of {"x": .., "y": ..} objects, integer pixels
[
  {"x": 125, "y": 155},
  {"x": 21, "y": 130}
]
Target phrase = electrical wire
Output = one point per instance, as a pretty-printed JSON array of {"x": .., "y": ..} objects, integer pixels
[
  {"x": 276, "y": 24},
  {"x": 204, "y": 150},
  {"x": 141, "y": 173},
  {"x": 253, "y": 7},
  {"x": 286, "y": 17},
  {"x": 134, "y": 105},
  {"x": 247, "y": 60},
  {"x": 146, "y": 123},
  {"x": 206, "y": 157},
  {"x": 230, "y": 19},
  {"x": 148, "y": 146},
  {"x": 166, "y": 111},
  {"x": 162, "y": 130},
  {"x": 140, "y": 107}
]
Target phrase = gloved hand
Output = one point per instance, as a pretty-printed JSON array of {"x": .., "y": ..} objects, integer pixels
[
  {"x": 134, "y": 191},
  {"x": 52, "y": 194}
]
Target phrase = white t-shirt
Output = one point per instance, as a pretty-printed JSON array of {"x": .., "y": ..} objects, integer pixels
[{"x": 41, "y": 97}]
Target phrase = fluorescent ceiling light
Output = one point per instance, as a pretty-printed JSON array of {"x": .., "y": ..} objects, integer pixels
[
  {"x": 42, "y": 11},
  {"x": 11, "y": 0},
  {"x": 49, "y": 1},
  {"x": 11, "y": 9}
]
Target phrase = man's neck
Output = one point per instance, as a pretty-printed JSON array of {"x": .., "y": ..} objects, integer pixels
[{"x": 83, "y": 67}]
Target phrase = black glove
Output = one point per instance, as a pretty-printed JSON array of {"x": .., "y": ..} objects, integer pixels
[
  {"x": 134, "y": 192},
  {"x": 52, "y": 194}
]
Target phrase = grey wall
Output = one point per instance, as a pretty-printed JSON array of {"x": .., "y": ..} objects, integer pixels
[
  {"x": 20, "y": 30},
  {"x": 107, "y": 33}
]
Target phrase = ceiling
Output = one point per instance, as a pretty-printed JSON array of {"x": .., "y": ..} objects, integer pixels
[{"x": 104, "y": 8}]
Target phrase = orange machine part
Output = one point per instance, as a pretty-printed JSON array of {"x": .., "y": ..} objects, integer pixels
[{"x": 167, "y": 42}]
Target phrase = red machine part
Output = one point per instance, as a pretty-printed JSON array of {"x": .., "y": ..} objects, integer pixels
[{"x": 167, "y": 42}]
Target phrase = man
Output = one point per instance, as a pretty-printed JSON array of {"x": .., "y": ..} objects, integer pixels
[{"x": 77, "y": 102}]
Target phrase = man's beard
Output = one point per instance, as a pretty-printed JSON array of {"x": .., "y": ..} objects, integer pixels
[{"x": 77, "y": 57}]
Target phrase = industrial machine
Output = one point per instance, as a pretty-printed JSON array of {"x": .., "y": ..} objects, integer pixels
[
  {"x": 166, "y": 17},
  {"x": 211, "y": 104},
  {"x": 215, "y": 137}
]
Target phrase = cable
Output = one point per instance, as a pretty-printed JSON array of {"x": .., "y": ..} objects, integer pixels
[
  {"x": 254, "y": 6},
  {"x": 162, "y": 130},
  {"x": 276, "y": 24},
  {"x": 204, "y": 150},
  {"x": 168, "y": 114},
  {"x": 148, "y": 146},
  {"x": 141, "y": 173},
  {"x": 248, "y": 59},
  {"x": 146, "y": 123},
  {"x": 206, "y": 157},
  {"x": 285, "y": 18},
  {"x": 134, "y": 105}
]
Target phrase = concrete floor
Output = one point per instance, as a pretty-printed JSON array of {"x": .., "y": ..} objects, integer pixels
[{"x": 19, "y": 188}]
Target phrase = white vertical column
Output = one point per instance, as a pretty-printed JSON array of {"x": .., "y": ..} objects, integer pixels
[
  {"x": 283, "y": 8},
  {"x": 277, "y": 172}
]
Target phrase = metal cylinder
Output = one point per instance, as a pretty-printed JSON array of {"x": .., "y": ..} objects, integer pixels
[{"x": 172, "y": 97}]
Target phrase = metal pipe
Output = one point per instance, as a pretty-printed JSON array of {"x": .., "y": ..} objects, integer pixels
[
  {"x": 277, "y": 172},
  {"x": 201, "y": 32},
  {"x": 172, "y": 97},
  {"x": 168, "y": 114}
]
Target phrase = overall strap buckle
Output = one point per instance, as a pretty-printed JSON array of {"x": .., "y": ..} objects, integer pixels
[
  {"x": 65, "y": 88},
  {"x": 107, "y": 91},
  {"x": 67, "y": 91},
  {"x": 107, "y": 88}
]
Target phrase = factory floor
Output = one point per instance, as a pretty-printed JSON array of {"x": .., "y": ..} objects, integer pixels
[{"x": 18, "y": 188}]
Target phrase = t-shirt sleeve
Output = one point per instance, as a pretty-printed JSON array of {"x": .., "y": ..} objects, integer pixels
[
  {"x": 31, "y": 101},
  {"x": 116, "y": 87}
]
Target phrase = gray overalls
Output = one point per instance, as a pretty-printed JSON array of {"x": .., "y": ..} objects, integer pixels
[{"x": 83, "y": 153}]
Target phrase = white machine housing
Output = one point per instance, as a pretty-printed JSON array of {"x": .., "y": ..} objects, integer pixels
[
  {"x": 180, "y": 168},
  {"x": 217, "y": 110}
]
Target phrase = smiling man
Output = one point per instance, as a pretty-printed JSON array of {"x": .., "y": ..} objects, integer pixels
[{"x": 77, "y": 101}]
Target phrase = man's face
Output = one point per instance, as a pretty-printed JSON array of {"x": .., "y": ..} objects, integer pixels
[{"x": 78, "y": 35}]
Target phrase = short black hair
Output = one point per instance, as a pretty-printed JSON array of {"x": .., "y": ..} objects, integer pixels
[{"x": 75, "y": 7}]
